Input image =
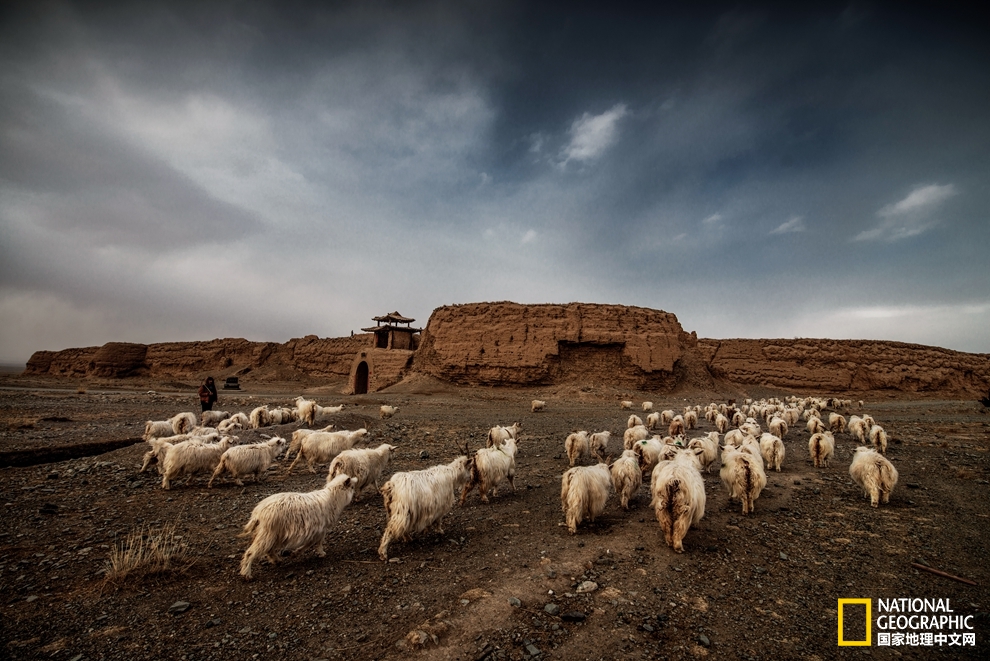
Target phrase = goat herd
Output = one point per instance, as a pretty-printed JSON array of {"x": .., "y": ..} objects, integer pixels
[{"x": 417, "y": 500}]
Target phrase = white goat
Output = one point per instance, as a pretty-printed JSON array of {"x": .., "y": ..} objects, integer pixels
[
  {"x": 772, "y": 450},
  {"x": 627, "y": 478},
  {"x": 816, "y": 426},
  {"x": 878, "y": 437},
  {"x": 821, "y": 446},
  {"x": 631, "y": 436},
  {"x": 678, "y": 496},
  {"x": 598, "y": 444},
  {"x": 666, "y": 417},
  {"x": 709, "y": 450},
  {"x": 491, "y": 467},
  {"x": 577, "y": 445},
  {"x": 721, "y": 423},
  {"x": 584, "y": 491},
  {"x": 322, "y": 446},
  {"x": 366, "y": 465},
  {"x": 183, "y": 422},
  {"x": 417, "y": 500},
  {"x": 778, "y": 427},
  {"x": 260, "y": 417},
  {"x": 690, "y": 419},
  {"x": 653, "y": 420},
  {"x": 157, "y": 429},
  {"x": 874, "y": 474},
  {"x": 676, "y": 427},
  {"x": 252, "y": 460},
  {"x": 625, "y": 405},
  {"x": 634, "y": 421},
  {"x": 498, "y": 434},
  {"x": 295, "y": 522},
  {"x": 212, "y": 418},
  {"x": 647, "y": 406},
  {"x": 743, "y": 476},
  {"x": 386, "y": 411},
  {"x": 537, "y": 405},
  {"x": 836, "y": 423},
  {"x": 189, "y": 458}
]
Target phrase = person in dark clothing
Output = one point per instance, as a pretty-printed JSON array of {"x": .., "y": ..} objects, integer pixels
[{"x": 208, "y": 393}]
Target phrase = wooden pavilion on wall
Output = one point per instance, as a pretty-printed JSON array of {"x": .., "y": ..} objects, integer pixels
[{"x": 394, "y": 332}]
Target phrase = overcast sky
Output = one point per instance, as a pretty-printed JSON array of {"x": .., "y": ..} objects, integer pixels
[{"x": 268, "y": 171}]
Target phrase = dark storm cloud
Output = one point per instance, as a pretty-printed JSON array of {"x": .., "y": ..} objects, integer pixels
[{"x": 695, "y": 160}]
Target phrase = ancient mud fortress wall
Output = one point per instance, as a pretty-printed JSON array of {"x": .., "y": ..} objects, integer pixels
[
  {"x": 309, "y": 356},
  {"x": 523, "y": 345},
  {"x": 512, "y": 344},
  {"x": 846, "y": 365}
]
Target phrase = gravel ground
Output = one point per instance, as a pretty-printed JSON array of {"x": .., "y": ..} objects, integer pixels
[{"x": 503, "y": 580}]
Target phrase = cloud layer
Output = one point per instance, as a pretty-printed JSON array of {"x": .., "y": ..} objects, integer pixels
[{"x": 189, "y": 171}]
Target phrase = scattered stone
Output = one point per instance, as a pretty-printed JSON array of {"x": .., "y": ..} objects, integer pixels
[
  {"x": 533, "y": 650},
  {"x": 515, "y": 603},
  {"x": 647, "y": 628},
  {"x": 913, "y": 485},
  {"x": 179, "y": 607},
  {"x": 587, "y": 586},
  {"x": 215, "y": 622},
  {"x": 552, "y": 609},
  {"x": 573, "y": 616},
  {"x": 424, "y": 454},
  {"x": 31, "y": 598},
  {"x": 703, "y": 639},
  {"x": 783, "y": 556}
]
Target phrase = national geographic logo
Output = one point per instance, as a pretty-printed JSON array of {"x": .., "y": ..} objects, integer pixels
[
  {"x": 903, "y": 621},
  {"x": 865, "y": 639}
]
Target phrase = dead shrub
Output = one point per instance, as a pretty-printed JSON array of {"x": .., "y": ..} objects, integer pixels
[{"x": 148, "y": 551}]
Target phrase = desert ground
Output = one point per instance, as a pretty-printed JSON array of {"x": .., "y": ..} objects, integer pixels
[{"x": 502, "y": 581}]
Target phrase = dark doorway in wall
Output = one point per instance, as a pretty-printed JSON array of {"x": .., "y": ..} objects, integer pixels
[{"x": 361, "y": 379}]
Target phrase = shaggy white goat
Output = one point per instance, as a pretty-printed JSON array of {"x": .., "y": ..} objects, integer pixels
[
  {"x": 295, "y": 522},
  {"x": 778, "y": 427},
  {"x": 584, "y": 490},
  {"x": 498, "y": 434},
  {"x": 577, "y": 445},
  {"x": 816, "y": 425},
  {"x": 652, "y": 451},
  {"x": 417, "y": 500},
  {"x": 676, "y": 427},
  {"x": 189, "y": 458},
  {"x": 678, "y": 496},
  {"x": 647, "y": 406},
  {"x": 537, "y": 405},
  {"x": 631, "y": 436},
  {"x": 157, "y": 429},
  {"x": 212, "y": 418},
  {"x": 874, "y": 474},
  {"x": 772, "y": 450},
  {"x": 821, "y": 446},
  {"x": 252, "y": 460},
  {"x": 260, "y": 417},
  {"x": 598, "y": 444},
  {"x": 491, "y": 467},
  {"x": 709, "y": 450},
  {"x": 320, "y": 447},
  {"x": 183, "y": 422},
  {"x": 836, "y": 423},
  {"x": 634, "y": 421},
  {"x": 878, "y": 437},
  {"x": 743, "y": 476},
  {"x": 625, "y": 405},
  {"x": 721, "y": 423},
  {"x": 627, "y": 478},
  {"x": 386, "y": 411},
  {"x": 653, "y": 420},
  {"x": 691, "y": 420},
  {"x": 666, "y": 417},
  {"x": 364, "y": 464}
]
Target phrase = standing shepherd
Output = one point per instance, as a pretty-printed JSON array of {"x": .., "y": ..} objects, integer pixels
[{"x": 208, "y": 393}]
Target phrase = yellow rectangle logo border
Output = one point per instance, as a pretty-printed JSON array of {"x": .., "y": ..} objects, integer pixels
[{"x": 869, "y": 622}]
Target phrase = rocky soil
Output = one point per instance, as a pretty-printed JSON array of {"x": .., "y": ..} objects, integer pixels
[{"x": 505, "y": 580}]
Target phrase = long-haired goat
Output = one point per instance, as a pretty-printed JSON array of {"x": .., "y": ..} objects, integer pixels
[
  {"x": 386, "y": 411},
  {"x": 212, "y": 418},
  {"x": 577, "y": 445},
  {"x": 874, "y": 474},
  {"x": 584, "y": 490},
  {"x": 627, "y": 478},
  {"x": 295, "y": 522},
  {"x": 836, "y": 423},
  {"x": 498, "y": 434},
  {"x": 364, "y": 464},
  {"x": 709, "y": 450},
  {"x": 417, "y": 500},
  {"x": 537, "y": 405},
  {"x": 772, "y": 451},
  {"x": 743, "y": 476},
  {"x": 678, "y": 496},
  {"x": 189, "y": 458},
  {"x": 491, "y": 467},
  {"x": 878, "y": 437},
  {"x": 598, "y": 444},
  {"x": 821, "y": 446},
  {"x": 245, "y": 460},
  {"x": 183, "y": 422},
  {"x": 634, "y": 421},
  {"x": 322, "y": 446},
  {"x": 633, "y": 435},
  {"x": 260, "y": 417}
]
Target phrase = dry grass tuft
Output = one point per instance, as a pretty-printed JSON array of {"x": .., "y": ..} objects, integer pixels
[{"x": 148, "y": 551}]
